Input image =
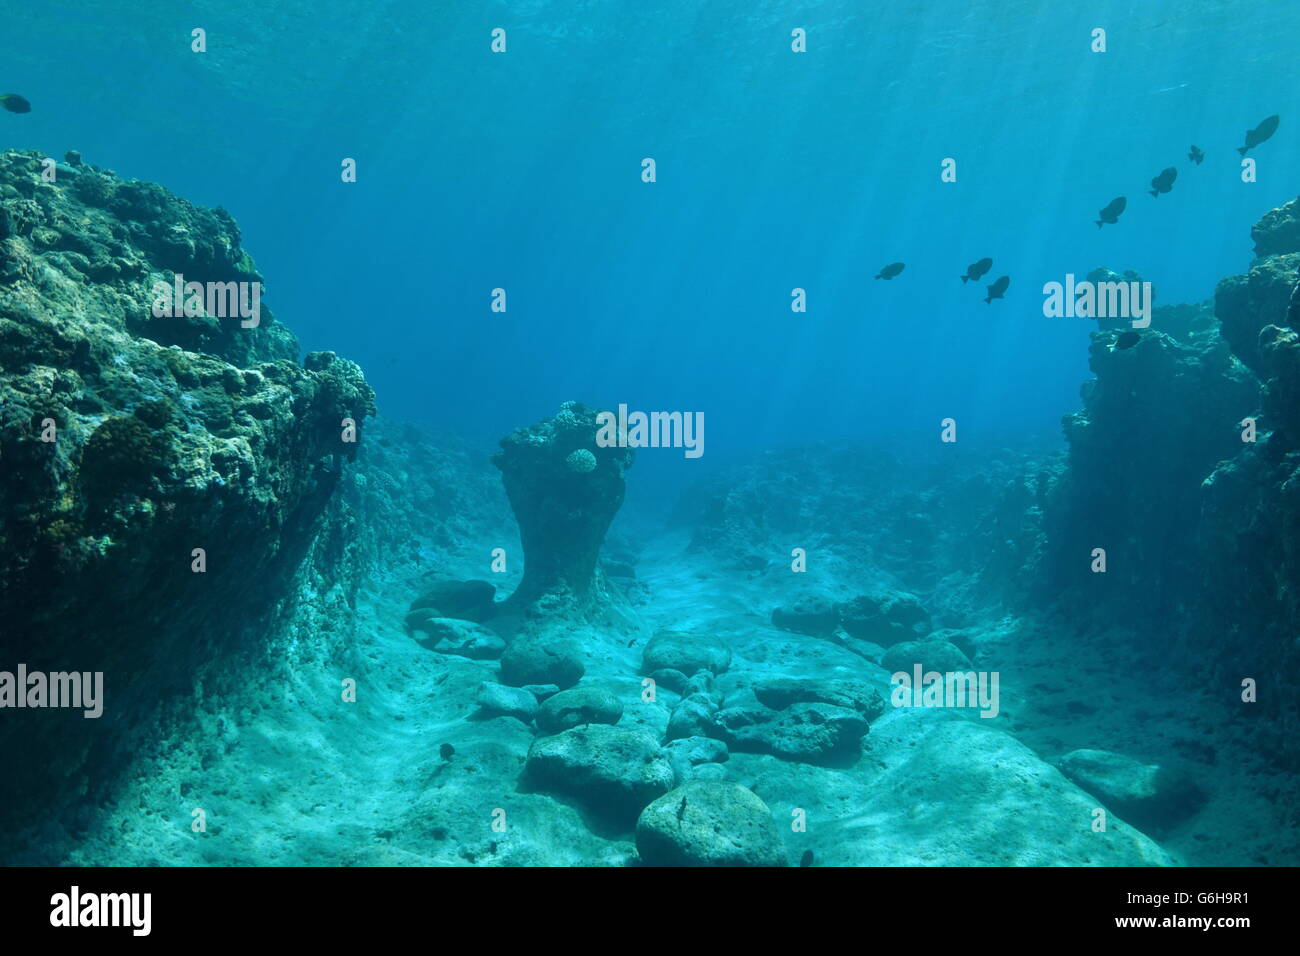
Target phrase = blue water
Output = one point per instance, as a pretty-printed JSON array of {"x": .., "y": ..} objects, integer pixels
[{"x": 775, "y": 171}]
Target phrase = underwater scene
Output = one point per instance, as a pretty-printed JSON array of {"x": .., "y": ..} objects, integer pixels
[{"x": 753, "y": 433}]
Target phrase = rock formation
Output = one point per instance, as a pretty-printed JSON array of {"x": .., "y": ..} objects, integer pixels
[
  {"x": 1200, "y": 524},
  {"x": 161, "y": 477},
  {"x": 564, "y": 490}
]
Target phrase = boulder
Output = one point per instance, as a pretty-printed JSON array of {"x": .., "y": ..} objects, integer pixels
[
  {"x": 709, "y": 823},
  {"x": 884, "y": 617},
  {"x": 812, "y": 732},
  {"x": 1149, "y": 796},
  {"x": 497, "y": 700},
  {"x": 932, "y": 655},
  {"x": 685, "y": 652},
  {"x": 813, "y": 615},
  {"x": 707, "y": 771},
  {"x": 692, "y": 717},
  {"x": 612, "y": 771},
  {"x": 670, "y": 679},
  {"x": 687, "y": 753},
  {"x": 541, "y": 661},
  {"x": 779, "y": 693},
  {"x": 577, "y": 706}
]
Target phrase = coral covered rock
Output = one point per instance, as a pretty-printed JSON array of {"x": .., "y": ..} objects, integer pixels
[
  {"x": 685, "y": 653},
  {"x": 709, "y": 823},
  {"x": 1278, "y": 232},
  {"x": 810, "y": 731},
  {"x": 884, "y": 617},
  {"x": 539, "y": 660},
  {"x": 497, "y": 700},
  {"x": 565, "y": 490},
  {"x": 781, "y": 692},
  {"x": 1246, "y": 304},
  {"x": 614, "y": 771},
  {"x": 932, "y": 655},
  {"x": 161, "y": 475},
  {"x": 577, "y": 706}
]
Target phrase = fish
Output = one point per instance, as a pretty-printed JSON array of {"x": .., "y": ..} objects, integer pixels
[
  {"x": 1260, "y": 133},
  {"x": 1195, "y": 155},
  {"x": 1164, "y": 182},
  {"x": 15, "y": 103},
  {"x": 806, "y": 859},
  {"x": 891, "y": 270},
  {"x": 1112, "y": 211},
  {"x": 997, "y": 288},
  {"x": 976, "y": 270},
  {"x": 447, "y": 751},
  {"x": 1127, "y": 340}
]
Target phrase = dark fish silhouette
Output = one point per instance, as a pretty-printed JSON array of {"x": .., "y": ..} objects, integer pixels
[
  {"x": 447, "y": 751},
  {"x": 997, "y": 288},
  {"x": 891, "y": 270},
  {"x": 1196, "y": 155},
  {"x": 806, "y": 859},
  {"x": 15, "y": 103},
  {"x": 1127, "y": 340},
  {"x": 1260, "y": 133},
  {"x": 976, "y": 270},
  {"x": 1164, "y": 182},
  {"x": 1111, "y": 213}
]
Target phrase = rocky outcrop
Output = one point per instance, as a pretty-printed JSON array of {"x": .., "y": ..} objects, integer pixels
[
  {"x": 162, "y": 477},
  {"x": 1156, "y": 420},
  {"x": 1246, "y": 304},
  {"x": 564, "y": 489},
  {"x": 1198, "y": 516},
  {"x": 1278, "y": 232}
]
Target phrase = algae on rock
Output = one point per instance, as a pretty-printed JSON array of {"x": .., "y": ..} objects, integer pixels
[{"x": 135, "y": 450}]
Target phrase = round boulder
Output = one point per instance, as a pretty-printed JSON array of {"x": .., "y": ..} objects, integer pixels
[
  {"x": 688, "y": 653},
  {"x": 932, "y": 655},
  {"x": 497, "y": 700},
  {"x": 535, "y": 661},
  {"x": 577, "y": 706},
  {"x": 613, "y": 771},
  {"x": 709, "y": 823}
]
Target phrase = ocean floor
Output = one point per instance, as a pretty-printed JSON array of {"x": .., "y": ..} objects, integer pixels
[{"x": 292, "y": 775}]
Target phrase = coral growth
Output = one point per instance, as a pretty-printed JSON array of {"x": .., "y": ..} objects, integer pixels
[
  {"x": 564, "y": 496},
  {"x": 130, "y": 441}
]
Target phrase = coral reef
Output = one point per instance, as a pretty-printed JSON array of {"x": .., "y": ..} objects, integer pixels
[
  {"x": 1165, "y": 474},
  {"x": 163, "y": 478},
  {"x": 565, "y": 491},
  {"x": 1155, "y": 421}
]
